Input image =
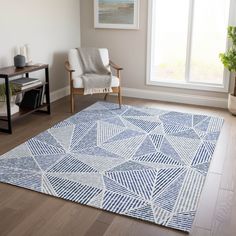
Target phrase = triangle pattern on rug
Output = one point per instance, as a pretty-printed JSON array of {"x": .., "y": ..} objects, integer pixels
[
  {"x": 161, "y": 215},
  {"x": 64, "y": 123},
  {"x": 146, "y": 179},
  {"x": 80, "y": 131},
  {"x": 47, "y": 138},
  {"x": 190, "y": 134},
  {"x": 201, "y": 156},
  {"x": 126, "y": 134},
  {"x": 72, "y": 190},
  {"x": 23, "y": 163},
  {"x": 185, "y": 147},
  {"x": 46, "y": 186},
  {"x": 165, "y": 178},
  {"x": 107, "y": 131},
  {"x": 126, "y": 203},
  {"x": 63, "y": 136},
  {"x": 113, "y": 186},
  {"x": 115, "y": 109},
  {"x": 88, "y": 141},
  {"x": 90, "y": 116},
  {"x": 96, "y": 201},
  {"x": 18, "y": 152},
  {"x": 159, "y": 130},
  {"x": 212, "y": 136},
  {"x": 96, "y": 151},
  {"x": 92, "y": 179},
  {"x": 100, "y": 163},
  {"x": 157, "y": 140},
  {"x": 69, "y": 164},
  {"x": 147, "y": 126},
  {"x": 198, "y": 118},
  {"x": 131, "y": 126},
  {"x": 124, "y": 148},
  {"x": 210, "y": 147},
  {"x": 177, "y": 118},
  {"x": 203, "y": 126},
  {"x": 158, "y": 157},
  {"x": 9, "y": 175},
  {"x": 143, "y": 212},
  {"x": 200, "y": 133},
  {"x": 39, "y": 149},
  {"x": 146, "y": 147},
  {"x": 202, "y": 168},
  {"x": 135, "y": 112},
  {"x": 130, "y": 166},
  {"x": 182, "y": 221},
  {"x": 167, "y": 198},
  {"x": 168, "y": 150},
  {"x": 215, "y": 124},
  {"x": 45, "y": 162},
  {"x": 115, "y": 121},
  {"x": 191, "y": 184},
  {"x": 32, "y": 182},
  {"x": 171, "y": 129}
]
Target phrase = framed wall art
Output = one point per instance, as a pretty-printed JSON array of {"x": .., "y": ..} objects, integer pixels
[{"x": 116, "y": 14}]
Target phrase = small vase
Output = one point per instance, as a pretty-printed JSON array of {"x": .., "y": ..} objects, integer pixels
[{"x": 19, "y": 61}]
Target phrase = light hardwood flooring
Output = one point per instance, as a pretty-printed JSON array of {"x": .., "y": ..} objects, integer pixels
[{"x": 27, "y": 213}]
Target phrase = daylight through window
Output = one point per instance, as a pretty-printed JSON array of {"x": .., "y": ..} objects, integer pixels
[{"x": 186, "y": 38}]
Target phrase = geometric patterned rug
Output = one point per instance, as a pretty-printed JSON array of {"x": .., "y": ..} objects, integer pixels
[{"x": 145, "y": 163}]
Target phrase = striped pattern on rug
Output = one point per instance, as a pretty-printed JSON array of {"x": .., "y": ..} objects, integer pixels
[{"x": 144, "y": 163}]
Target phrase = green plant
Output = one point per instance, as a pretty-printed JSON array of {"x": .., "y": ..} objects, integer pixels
[
  {"x": 229, "y": 57},
  {"x": 12, "y": 91}
]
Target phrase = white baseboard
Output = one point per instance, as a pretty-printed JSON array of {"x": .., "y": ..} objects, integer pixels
[
  {"x": 175, "y": 97},
  {"x": 157, "y": 95},
  {"x": 60, "y": 93}
]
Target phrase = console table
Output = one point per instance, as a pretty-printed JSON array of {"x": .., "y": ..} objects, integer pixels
[{"x": 8, "y": 72}]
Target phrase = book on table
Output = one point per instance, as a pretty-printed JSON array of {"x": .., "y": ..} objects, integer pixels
[{"x": 25, "y": 83}]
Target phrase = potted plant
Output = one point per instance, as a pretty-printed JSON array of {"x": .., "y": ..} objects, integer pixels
[
  {"x": 3, "y": 105},
  {"x": 229, "y": 60}
]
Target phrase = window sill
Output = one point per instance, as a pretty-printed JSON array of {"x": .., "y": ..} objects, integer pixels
[{"x": 193, "y": 86}]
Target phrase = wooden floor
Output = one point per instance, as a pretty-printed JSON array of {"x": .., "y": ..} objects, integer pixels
[{"x": 23, "y": 212}]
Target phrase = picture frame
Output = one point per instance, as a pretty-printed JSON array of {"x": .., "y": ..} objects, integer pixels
[{"x": 116, "y": 14}]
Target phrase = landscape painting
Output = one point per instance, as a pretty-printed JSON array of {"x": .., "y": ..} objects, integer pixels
[{"x": 121, "y": 14}]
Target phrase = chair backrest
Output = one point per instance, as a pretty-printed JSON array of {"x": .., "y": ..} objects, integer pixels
[{"x": 75, "y": 61}]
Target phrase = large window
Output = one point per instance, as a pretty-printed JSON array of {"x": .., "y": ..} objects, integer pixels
[{"x": 185, "y": 39}]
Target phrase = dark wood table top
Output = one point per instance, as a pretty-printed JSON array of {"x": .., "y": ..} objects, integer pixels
[{"x": 11, "y": 71}]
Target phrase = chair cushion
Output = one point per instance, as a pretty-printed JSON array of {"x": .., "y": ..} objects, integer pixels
[
  {"x": 78, "y": 82},
  {"x": 76, "y": 65}
]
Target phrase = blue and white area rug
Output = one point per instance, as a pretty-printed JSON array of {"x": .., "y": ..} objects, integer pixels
[{"x": 145, "y": 163}]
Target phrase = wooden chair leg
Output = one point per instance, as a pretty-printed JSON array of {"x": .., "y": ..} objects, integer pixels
[
  {"x": 72, "y": 103},
  {"x": 120, "y": 98},
  {"x": 105, "y": 98}
]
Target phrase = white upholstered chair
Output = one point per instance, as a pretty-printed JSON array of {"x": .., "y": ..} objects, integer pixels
[{"x": 75, "y": 70}]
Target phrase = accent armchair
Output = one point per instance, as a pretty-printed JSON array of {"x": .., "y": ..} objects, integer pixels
[{"x": 74, "y": 69}]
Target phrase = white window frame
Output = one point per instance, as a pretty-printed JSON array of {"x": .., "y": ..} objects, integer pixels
[{"x": 186, "y": 84}]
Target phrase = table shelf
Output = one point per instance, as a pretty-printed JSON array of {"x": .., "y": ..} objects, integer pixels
[{"x": 6, "y": 73}]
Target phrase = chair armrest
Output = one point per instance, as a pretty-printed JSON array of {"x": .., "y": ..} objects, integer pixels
[
  {"x": 67, "y": 66},
  {"x": 115, "y": 66}
]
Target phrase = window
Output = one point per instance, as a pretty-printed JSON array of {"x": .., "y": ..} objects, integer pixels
[{"x": 185, "y": 39}]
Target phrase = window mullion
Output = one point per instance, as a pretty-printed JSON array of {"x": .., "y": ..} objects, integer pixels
[{"x": 189, "y": 40}]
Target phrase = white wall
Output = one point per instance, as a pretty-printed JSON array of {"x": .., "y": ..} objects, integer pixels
[{"x": 51, "y": 27}]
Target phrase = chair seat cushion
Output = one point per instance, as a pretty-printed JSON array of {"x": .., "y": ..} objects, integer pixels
[{"x": 78, "y": 82}]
